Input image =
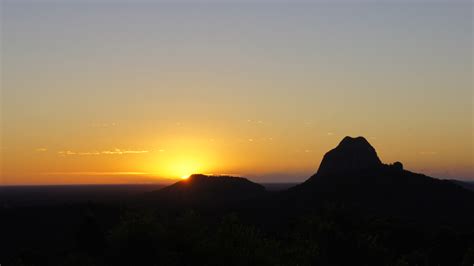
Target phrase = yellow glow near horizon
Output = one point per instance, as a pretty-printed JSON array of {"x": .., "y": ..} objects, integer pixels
[{"x": 183, "y": 168}]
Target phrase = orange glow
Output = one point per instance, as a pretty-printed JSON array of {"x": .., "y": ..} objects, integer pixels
[
  {"x": 181, "y": 167},
  {"x": 184, "y": 169}
]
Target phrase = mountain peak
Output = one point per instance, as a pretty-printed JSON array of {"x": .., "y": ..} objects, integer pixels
[
  {"x": 352, "y": 155},
  {"x": 354, "y": 141}
]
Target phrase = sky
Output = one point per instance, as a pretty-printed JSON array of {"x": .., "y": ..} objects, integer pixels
[{"x": 151, "y": 91}]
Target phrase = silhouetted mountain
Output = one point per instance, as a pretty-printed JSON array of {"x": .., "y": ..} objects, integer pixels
[
  {"x": 353, "y": 175},
  {"x": 352, "y": 155},
  {"x": 201, "y": 190}
]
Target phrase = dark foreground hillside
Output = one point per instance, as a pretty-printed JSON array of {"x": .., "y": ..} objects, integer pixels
[{"x": 354, "y": 211}]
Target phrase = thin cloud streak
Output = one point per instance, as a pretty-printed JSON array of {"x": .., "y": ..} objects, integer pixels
[
  {"x": 95, "y": 173},
  {"x": 120, "y": 152},
  {"x": 106, "y": 152}
]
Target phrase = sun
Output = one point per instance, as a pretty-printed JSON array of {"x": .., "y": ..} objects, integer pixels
[
  {"x": 184, "y": 168},
  {"x": 184, "y": 177},
  {"x": 180, "y": 167}
]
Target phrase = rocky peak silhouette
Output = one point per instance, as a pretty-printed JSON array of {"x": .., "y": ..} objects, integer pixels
[
  {"x": 352, "y": 155},
  {"x": 353, "y": 175}
]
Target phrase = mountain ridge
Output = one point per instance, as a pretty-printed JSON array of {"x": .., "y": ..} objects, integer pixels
[
  {"x": 200, "y": 189},
  {"x": 352, "y": 174}
]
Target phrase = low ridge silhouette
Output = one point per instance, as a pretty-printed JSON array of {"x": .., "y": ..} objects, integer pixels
[{"x": 201, "y": 189}]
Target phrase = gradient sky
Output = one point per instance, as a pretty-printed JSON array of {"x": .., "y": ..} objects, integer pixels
[{"x": 109, "y": 92}]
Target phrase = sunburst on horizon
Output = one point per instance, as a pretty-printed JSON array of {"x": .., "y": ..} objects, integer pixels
[{"x": 184, "y": 177}]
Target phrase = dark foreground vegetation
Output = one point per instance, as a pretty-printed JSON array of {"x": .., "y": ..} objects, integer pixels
[{"x": 107, "y": 235}]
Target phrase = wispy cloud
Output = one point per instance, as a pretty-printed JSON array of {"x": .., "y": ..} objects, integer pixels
[
  {"x": 120, "y": 152},
  {"x": 256, "y": 122},
  {"x": 41, "y": 149},
  {"x": 106, "y": 152},
  {"x": 67, "y": 153},
  {"x": 88, "y": 153},
  {"x": 95, "y": 173}
]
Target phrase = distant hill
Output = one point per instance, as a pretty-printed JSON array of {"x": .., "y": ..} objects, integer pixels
[
  {"x": 465, "y": 184},
  {"x": 199, "y": 190},
  {"x": 353, "y": 175}
]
